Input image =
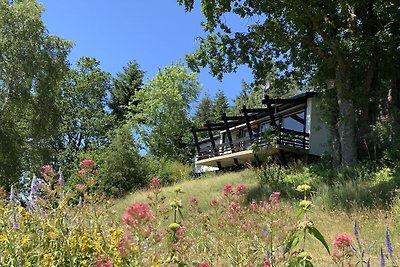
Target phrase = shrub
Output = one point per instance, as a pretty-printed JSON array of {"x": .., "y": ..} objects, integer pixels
[{"x": 170, "y": 171}]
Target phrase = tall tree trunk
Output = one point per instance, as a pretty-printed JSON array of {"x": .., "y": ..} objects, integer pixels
[{"x": 347, "y": 122}]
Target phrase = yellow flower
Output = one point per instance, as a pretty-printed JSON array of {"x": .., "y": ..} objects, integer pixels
[
  {"x": 84, "y": 243},
  {"x": 303, "y": 188},
  {"x": 3, "y": 238},
  {"x": 85, "y": 262}
]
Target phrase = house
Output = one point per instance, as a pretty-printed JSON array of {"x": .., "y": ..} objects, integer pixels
[{"x": 284, "y": 128}]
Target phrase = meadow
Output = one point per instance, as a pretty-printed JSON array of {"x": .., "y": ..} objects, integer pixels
[{"x": 273, "y": 216}]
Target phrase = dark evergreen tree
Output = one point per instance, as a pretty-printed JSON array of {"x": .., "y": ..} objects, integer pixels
[{"x": 126, "y": 85}]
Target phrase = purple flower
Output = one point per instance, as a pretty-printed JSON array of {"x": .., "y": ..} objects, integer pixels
[
  {"x": 381, "y": 258},
  {"x": 368, "y": 264},
  {"x": 388, "y": 243},
  {"x": 34, "y": 187},
  {"x": 355, "y": 230},
  {"x": 13, "y": 197},
  {"x": 61, "y": 180}
]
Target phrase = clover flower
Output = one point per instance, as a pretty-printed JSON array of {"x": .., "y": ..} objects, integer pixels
[{"x": 204, "y": 264}]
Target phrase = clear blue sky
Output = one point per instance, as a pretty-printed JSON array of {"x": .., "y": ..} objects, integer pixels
[{"x": 156, "y": 33}]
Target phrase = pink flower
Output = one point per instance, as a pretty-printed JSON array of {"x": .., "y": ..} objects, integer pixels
[
  {"x": 47, "y": 169},
  {"x": 104, "y": 262},
  {"x": 80, "y": 187},
  {"x": 228, "y": 189},
  {"x": 214, "y": 202},
  {"x": 87, "y": 163},
  {"x": 240, "y": 189},
  {"x": 234, "y": 206},
  {"x": 180, "y": 232},
  {"x": 194, "y": 201},
  {"x": 341, "y": 245},
  {"x": 342, "y": 240},
  {"x": 204, "y": 264},
  {"x": 137, "y": 214},
  {"x": 253, "y": 205},
  {"x": 274, "y": 197}
]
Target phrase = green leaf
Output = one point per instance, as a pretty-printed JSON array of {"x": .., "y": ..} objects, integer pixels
[{"x": 314, "y": 232}]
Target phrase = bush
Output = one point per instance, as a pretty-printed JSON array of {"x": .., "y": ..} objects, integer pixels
[{"x": 170, "y": 171}]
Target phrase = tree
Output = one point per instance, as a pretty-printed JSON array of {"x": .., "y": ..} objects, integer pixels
[
  {"x": 85, "y": 121},
  {"x": 121, "y": 166},
  {"x": 162, "y": 113},
  {"x": 124, "y": 88},
  {"x": 204, "y": 112},
  {"x": 353, "y": 43},
  {"x": 32, "y": 66},
  {"x": 221, "y": 105}
]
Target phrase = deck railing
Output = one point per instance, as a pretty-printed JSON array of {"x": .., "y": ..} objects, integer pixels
[{"x": 282, "y": 137}]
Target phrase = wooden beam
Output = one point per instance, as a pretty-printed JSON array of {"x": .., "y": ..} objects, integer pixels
[
  {"x": 235, "y": 160},
  {"x": 271, "y": 111},
  {"x": 228, "y": 131},
  {"x": 248, "y": 124},
  {"x": 196, "y": 140},
  {"x": 211, "y": 135},
  {"x": 219, "y": 165},
  {"x": 298, "y": 119},
  {"x": 257, "y": 110}
]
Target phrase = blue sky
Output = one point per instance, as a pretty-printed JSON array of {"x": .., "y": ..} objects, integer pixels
[{"x": 156, "y": 33}]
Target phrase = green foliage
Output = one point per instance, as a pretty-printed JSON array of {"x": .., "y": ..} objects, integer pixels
[
  {"x": 85, "y": 121},
  {"x": 32, "y": 65},
  {"x": 170, "y": 171},
  {"x": 309, "y": 44},
  {"x": 122, "y": 169},
  {"x": 161, "y": 115},
  {"x": 125, "y": 86},
  {"x": 221, "y": 105}
]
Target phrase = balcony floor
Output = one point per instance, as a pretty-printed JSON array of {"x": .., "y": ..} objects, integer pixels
[{"x": 248, "y": 156}]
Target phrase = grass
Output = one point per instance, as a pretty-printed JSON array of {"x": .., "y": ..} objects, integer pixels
[
  {"x": 203, "y": 188},
  {"x": 370, "y": 220}
]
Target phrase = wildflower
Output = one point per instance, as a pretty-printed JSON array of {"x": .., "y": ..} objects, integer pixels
[
  {"x": 34, "y": 187},
  {"x": 80, "y": 187},
  {"x": 342, "y": 245},
  {"x": 47, "y": 169},
  {"x": 180, "y": 232},
  {"x": 240, "y": 189},
  {"x": 194, "y": 201},
  {"x": 204, "y": 264},
  {"x": 342, "y": 240},
  {"x": 234, "y": 206},
  {"x": 178, "y": 190},
  {"x": 214, "y": 202},
  {"x": 274, "y": 197},
  {"x": 175, "y": 204},
  {"x": 155, "y": 183},
  {"x": 87, "y": 163},
  {"x": 104, "y": 262},
  {"x": 303, "y": 188},
  {"x": 305, "y": 204},
  {"x": 136, "y": 214},
  {"x": 228, "y": 189},
  {"x": 174, "y": 226},
  {"x": 253, "y": 205},
  {"x": 13, "y": 197},
  {"x": 381, "y": 258},
  {"x": 388, "y": 243},
  {"x": 61, "y": 180}
]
